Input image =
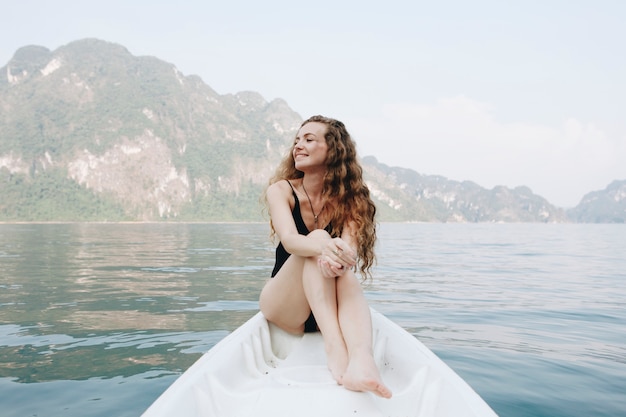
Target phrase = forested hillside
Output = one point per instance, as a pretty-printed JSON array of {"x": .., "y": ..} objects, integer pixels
[{"x": 89, "y": 132}]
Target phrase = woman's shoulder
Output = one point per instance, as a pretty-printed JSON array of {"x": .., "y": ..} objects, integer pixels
[
  {"x": 284, "y": 185},
  {"x": 284, "y": 188}
]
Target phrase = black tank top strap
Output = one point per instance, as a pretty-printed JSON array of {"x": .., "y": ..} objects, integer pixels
[{"x": 297, "y": 214}]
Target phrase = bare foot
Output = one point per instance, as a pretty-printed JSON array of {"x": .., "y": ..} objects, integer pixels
[
  {"x": 362, "y": 375},
  {"x": 337, "y": 360}
]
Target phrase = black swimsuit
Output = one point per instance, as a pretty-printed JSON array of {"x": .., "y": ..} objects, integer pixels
[{"x": 282, "y": 255}]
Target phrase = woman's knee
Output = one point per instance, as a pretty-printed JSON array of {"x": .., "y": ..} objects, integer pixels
[{"x": 320, "y": 233}]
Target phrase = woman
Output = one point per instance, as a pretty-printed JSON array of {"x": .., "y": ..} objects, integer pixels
[{"x": 323, "y": 242}]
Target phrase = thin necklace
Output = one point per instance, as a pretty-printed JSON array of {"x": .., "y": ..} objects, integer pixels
[{"x": 315, "y": 216}]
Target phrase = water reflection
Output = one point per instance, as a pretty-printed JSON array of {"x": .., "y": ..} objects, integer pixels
[{"x": 71, "y": 291}]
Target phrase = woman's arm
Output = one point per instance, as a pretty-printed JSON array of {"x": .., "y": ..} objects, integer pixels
[
  {"x": 340, "y": 254},
  {"x": 279, "y": 196},
  {"x": 336, "y": 255}
]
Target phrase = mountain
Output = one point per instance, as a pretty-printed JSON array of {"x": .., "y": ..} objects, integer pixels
[
  {"x": 604, "y": 206},
  {"x": 91, "y": 132},
  {"x": 404, "y": 194}
]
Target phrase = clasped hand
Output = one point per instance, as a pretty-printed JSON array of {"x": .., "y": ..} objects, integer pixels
[{"x": 336, "y": 258}]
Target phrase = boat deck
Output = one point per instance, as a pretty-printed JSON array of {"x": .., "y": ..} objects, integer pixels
[{"x": 260, "y": 370}]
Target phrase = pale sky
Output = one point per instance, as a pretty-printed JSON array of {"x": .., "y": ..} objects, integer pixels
[{"x": 527, "y": 92}]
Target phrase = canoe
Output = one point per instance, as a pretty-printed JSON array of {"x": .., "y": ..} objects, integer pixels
[{"x": 260, "y": 370}]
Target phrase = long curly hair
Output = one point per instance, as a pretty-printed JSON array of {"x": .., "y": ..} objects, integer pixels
[{"x": 344, "y": 188}]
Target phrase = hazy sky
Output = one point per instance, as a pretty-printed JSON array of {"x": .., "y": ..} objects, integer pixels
[{"x": 497, "y": 92}]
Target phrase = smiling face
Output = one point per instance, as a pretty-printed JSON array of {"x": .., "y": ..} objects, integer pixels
[{"x": 310, "y": 148}]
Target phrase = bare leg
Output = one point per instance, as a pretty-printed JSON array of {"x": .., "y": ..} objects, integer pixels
[
  {"x": 342, "y": 315},
  {"x": 362, "y": 373},
  {"x": 282, "y": 299},
  {"x": 321, "y": 294}
]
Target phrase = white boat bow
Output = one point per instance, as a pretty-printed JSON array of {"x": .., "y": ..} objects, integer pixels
[{"x": 260, "y": 370}]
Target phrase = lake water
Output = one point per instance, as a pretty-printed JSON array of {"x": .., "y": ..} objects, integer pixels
[{"x": 98, "y": 319}]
